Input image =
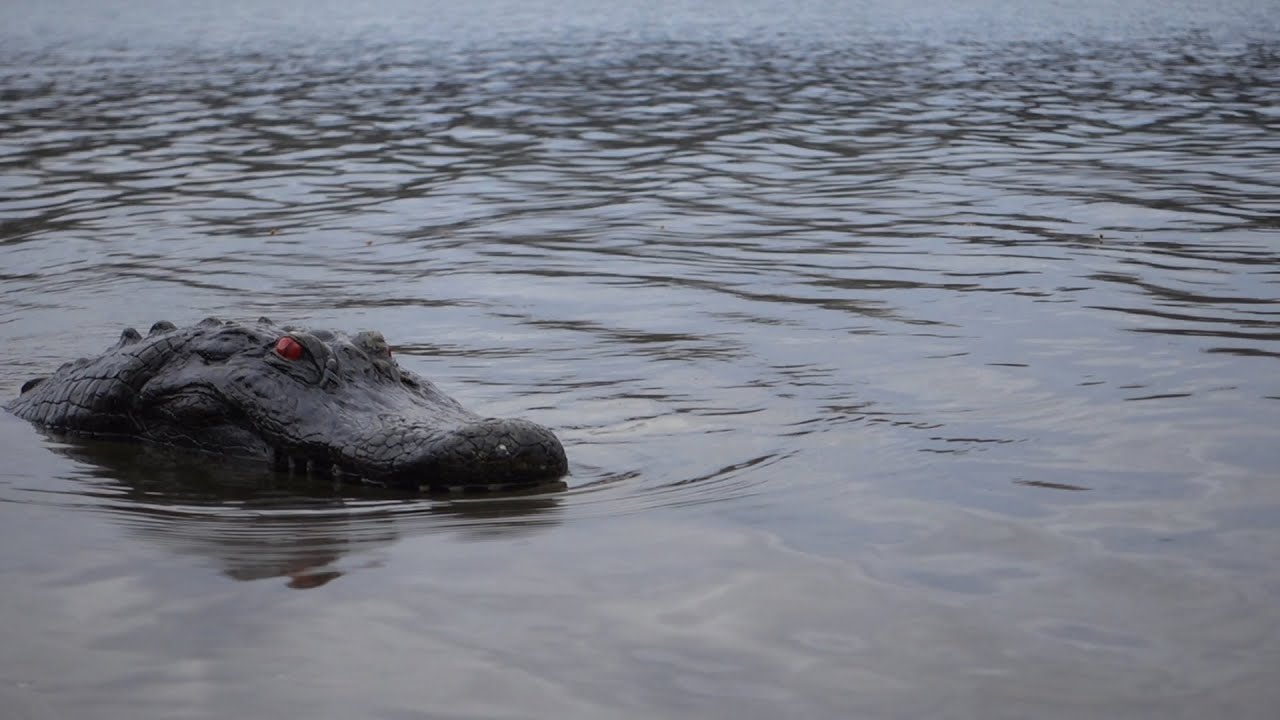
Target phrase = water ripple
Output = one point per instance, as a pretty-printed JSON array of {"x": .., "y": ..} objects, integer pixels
[
  {"x": 741, "y": 269},
  {"x": 860, "y": 322}
]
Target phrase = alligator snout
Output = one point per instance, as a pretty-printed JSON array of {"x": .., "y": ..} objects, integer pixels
[{"x": 491, "y": 452}]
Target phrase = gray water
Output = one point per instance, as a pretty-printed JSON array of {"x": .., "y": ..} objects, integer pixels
[{"x": 912, "y": 362}]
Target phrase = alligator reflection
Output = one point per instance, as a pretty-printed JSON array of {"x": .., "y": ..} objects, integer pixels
[{"x": 257, "y": 524}]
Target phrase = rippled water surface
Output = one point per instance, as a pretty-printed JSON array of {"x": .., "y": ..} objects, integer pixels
[{"x": 912, "y": 362}]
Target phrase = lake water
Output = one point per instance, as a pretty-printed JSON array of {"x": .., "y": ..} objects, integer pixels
[{"x": 912, "y": 361}]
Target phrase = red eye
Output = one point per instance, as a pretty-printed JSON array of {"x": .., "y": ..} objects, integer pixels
[{"x": 289, "y": 349}]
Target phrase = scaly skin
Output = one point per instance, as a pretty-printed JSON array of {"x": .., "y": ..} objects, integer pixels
[{"x": 342, "y": 406}]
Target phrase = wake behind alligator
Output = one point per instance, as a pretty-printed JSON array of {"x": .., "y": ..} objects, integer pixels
[{"x": 319, "y": 401}]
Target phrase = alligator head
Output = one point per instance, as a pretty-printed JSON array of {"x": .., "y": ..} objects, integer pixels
[{"x": 318, "y": 400}]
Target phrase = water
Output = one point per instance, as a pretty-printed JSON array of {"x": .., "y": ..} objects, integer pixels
[{"x": 912, "y": 362}]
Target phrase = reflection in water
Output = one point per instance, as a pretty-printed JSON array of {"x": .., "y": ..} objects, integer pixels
[{"x": 256, "y": 524}]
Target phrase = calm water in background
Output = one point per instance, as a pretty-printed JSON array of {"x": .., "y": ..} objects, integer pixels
[{"x": 912, "y": 362}]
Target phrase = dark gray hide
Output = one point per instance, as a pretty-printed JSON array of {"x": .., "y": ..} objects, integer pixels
[{"x": 342, "y": 406}]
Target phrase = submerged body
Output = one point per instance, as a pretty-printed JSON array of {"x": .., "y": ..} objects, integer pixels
[{"x": 318, "y": 400}]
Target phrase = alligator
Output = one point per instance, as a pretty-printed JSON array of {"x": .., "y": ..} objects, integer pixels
[{"x": 314, "y": 401}]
